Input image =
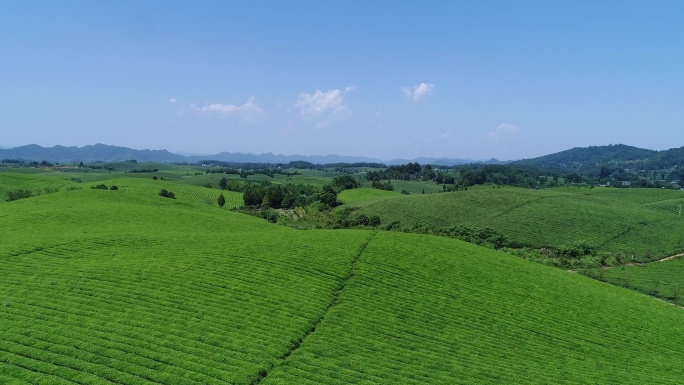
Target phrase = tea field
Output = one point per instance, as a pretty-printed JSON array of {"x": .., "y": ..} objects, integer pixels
[
  {"x": 628, "y": 223},
  {"x": 661, "y": 279},
  {"x": 127, "y": 287}
]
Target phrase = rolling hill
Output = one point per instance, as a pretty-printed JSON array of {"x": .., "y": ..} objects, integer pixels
[
  {"x": 125, "y": 287},
  {"x": 643, "y": 224}
]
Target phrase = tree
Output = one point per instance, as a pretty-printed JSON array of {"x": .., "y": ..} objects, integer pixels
[
  {"x": 253, "y": 195},
  {"x": 221, "y": 200},
  {"x": 223, "y": 183},
  {"x": 345, "y": 182},
  {"x": 327, "y": 196}
]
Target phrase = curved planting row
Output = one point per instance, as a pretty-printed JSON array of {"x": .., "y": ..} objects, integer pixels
[
  {"x": 544, "y": 218},
  {"x": 207, "y": 300},
  {"x": 424, "y": 309},
  {"x": 183, "y": 192}
]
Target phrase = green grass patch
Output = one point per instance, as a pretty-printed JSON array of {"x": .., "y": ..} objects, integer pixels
[{"x": 365, "y": 195}]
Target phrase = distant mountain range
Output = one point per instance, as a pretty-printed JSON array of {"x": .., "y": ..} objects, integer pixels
[
  {"x": 106, "y": 153},
  {"x": 579, "y": 158}
]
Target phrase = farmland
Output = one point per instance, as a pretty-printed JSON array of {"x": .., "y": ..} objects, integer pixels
[
  {"x": 125, "y": 286},
  {"x": 630, "y": 222},
  {"x": 661, "y": 279}
]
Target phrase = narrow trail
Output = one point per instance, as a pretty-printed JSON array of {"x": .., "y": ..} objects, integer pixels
[
  {"x": 333, "y": 301},
  {"x": 646, "y": 263},
  {"x": 642, "y": 264},
  {"x": 637, "y": 263}
]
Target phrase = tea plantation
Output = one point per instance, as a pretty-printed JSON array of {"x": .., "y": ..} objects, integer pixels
[
  {"x": 128, "y": 287},
  {"x": 640, "y": 223}
]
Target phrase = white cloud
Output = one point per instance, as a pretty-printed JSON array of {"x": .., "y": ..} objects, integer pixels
[
  {"x": 418, "y": 92},
  {"x": 503, "y": 132},
  {"x": 446, "y": 134},
  {"x": 247, "y": 111},
  {"x": 322, "y": 103},
  {"x": 173, "y": 100}
]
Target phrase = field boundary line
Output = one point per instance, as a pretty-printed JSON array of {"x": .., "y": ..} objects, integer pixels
[
  {"x": 333, "y": 301},
  {"x": 511, "y": 209}
]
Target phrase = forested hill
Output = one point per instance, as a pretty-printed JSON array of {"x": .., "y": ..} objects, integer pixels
[{"x": 593, "y": 156}]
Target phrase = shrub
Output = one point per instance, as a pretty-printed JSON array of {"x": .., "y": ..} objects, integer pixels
[
  {"x": 13, "y": 195},
  {"x": 167, "y": 194},
  {"x": 114, "y": 187},
  {"x": 270, "y": 215},
  {"x": 374, "y": 221},
  {"x": 362, "y": 220},
  {"x": 99, "y": 187}
]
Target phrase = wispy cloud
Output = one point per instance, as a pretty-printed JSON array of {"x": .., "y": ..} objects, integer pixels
[
  {"x": 446, "y": 134},
  {"x": 418, "y": 92},
  {"x": 503, "y": 132},
  {"x": 173, "y": 100},
  {"x": 247, "y": 111},
  {"x": 322, "y": 103}
]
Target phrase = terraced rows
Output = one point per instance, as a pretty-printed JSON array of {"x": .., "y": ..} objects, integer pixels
[
  {"x": 546, "y": 218},
  {"x": 34, "y": 183},
  {"x": 213, "y": 307},
  {"x": 423, "y": 309},
  {"x": 662, "y": 279},
  {"x": 365, "y": 195},
  {"x": 184, "y": 192}
]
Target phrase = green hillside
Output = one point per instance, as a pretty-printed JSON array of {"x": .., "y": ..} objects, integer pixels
[
  {"x": 625, "y": 221},
  {"x": 366, "y": 195},
  {"x": 422, "y": 309},
  {"x": 661, "y": 279},
  {"x": 35, "y": 184},
  {"x": 591, "y": 156},
  {"x": 123, "y": 287}
]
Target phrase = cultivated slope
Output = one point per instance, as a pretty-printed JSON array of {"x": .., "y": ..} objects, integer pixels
[
  {"x": 422, "y": 309},
  {"x": 112, "y": 287},
  {"x": 100, "y": 287},
  {"x": 616, "y": 220}
]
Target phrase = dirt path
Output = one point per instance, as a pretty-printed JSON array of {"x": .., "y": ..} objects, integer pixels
[
  {"x": 637, "y": 263},
  {"x": 646, "y": 263},
  {"x": 668, "y": 258}
]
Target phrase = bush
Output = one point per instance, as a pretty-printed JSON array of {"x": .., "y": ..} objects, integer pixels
[
  {"x": 13, "y": 195},
  {"x": 374, "y": 221},
  {"x": 362, "y": 220},
  {"x": 167, "y": 194},
  {"x": 270, "y": 215},
  {"x": 100, "y": 187},
  {"x": 114, "y": 187}
]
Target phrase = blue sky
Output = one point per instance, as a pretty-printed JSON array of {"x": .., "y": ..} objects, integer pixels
[{"x": 386, "y": 79}]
